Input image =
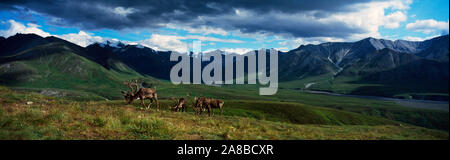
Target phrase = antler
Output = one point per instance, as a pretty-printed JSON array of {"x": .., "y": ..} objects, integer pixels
[
  {"x": 135, "y": 83},
  {"x": 129, "y": 84}
]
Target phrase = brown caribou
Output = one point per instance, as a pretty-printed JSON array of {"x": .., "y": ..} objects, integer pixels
[
  {"x": 141, "y": 93},
  {"x": 199, "y": 104},
  {"x": 180, "y": 104},
  {"x": 203, "y": 103}
]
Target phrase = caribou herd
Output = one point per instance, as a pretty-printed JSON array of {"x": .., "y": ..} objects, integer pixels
[{"x": 200, "y": 104}]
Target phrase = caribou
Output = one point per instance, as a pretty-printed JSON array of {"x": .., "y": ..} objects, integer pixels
[
  {"x": 203, "y": 103},
  {"x": 141, "y": 93},
  {"x": 180, "y": 104}
]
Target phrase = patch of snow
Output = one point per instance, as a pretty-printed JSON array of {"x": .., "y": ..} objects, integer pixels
[
  {"x": 116, "y": 44},
  {"x": 100, "y": 44},
  {"x": 336, "y": 65},
  {"x": 309, "y": 85}
]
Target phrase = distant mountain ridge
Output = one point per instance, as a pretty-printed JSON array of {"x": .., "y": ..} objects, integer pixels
[
  {"x": 395, "y": 67},
  {"x": 336, "y": 56}
]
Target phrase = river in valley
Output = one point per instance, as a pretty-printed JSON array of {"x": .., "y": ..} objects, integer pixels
[{"x": 413, "y": 103}]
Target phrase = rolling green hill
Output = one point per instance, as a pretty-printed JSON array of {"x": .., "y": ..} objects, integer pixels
[{"x": 57, "y": 66}]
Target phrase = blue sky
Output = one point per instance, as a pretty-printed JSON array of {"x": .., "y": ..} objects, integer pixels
[
  {"x": 420, "y": 10},
  {"x": 239, "y": 29}
]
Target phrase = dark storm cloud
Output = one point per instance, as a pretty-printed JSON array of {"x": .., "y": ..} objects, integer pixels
[{"x": 96, "y": 14}]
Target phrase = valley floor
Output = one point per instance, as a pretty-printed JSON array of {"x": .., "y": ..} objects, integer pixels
[{"x": 425, "y": 104}]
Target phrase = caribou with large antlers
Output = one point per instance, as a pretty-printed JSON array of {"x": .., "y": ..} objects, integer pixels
[{"x": 141, "y": 93}]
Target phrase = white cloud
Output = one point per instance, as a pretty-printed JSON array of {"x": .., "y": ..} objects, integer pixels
[
  {"x": 257, "y": 35},
  {"x": 207, "y": 30},
  {"x": 204, "y": 30},
  {"x": 213, "y": 39},
  {"x": 175, "y": 43},
  {"x": 81, "y": 38},
  {"x": 296, "y": 42},
  {"x": 411, "y": 38},
  {"x": 393, "y": 20},
  {"x": 17, "y": 27},
  {"x": 237, "y": 50},
  {"x": 124, "y": 11},
  {"x": 166, "y": 42},
  {"x": 284, "y": 49},
  {"x": 240, "y": 51},
  {"x": 370, "y": 16},
  {"x": 429, "y": 26},
  {"x": 241, "y": 12}
]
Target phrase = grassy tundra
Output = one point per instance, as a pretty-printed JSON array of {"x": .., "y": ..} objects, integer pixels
[{"x": 62, "y": 118}]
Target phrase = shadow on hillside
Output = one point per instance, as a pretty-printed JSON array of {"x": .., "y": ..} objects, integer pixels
[{"x": 14, "y": 78}]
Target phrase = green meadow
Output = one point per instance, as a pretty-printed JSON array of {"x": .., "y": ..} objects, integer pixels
[{"x": 302, "y": 116}]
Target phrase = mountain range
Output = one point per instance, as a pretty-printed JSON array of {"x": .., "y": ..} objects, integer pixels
[
  {"x": 369, "y": 66},
  {"x": 392, "y": 66}
]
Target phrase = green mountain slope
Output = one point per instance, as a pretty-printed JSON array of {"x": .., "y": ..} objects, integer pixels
[{"x": 57, "y": 66}]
